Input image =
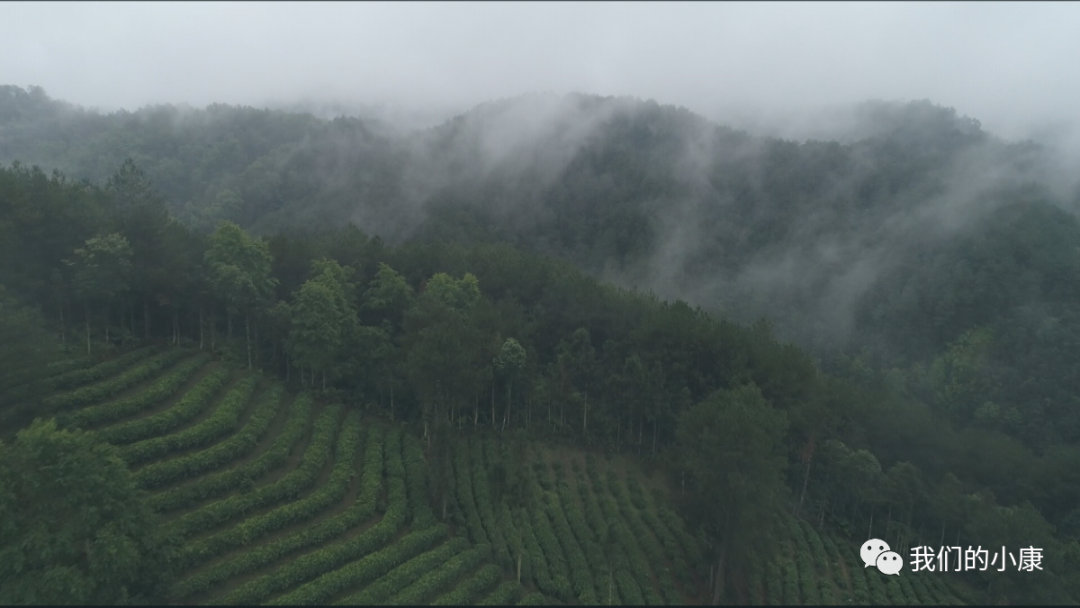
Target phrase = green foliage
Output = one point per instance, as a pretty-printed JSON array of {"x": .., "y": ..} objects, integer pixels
[
  {"x": 103, "y": 390},
  {"x": 538, "y": 566},
  {"x": 219, "y": 483},
  {"x": 580, "y": 576},
  {"x": 456, "y": 294},
  {"x": 646, "y": 542},
  {"x": 253, "y": 528},
  {"x": 29, "y": 353},
  {"x": 471, "y": 589},
  {"x": 222, "y": 421},
  {"x": 667, "y": 539},
  {"x": 505, "y": 593},
  {"x": 266, "y": 553},
  {"x": 322, "y": 562},
  {"x": 534, "y": 599},
  {"x": 791, "y": 584},
  {"x": 959, "y": 372},
  {"x": 729, "y": 447},
  {"x": 464, "y": 492},
  {"x": 85, "y": 376},
  {"x": 31, "y": 407},
  {"x": 406, "y": 575},
  {"x": 102, "y": 268},
  {"x": 387, "y": 296},
  {"x": 588, "y": 549},
  {"x": 194, "y": 402},
  {"x": 161, "y": 389},
  {"x": 168, "y": 471},
  {"x": 635, "y": 559},
  {"x": 217, "y": 513},
  {"x": 323, "y": 320},
  {"x": 365, "y": 570},
  {"x": 75, "y": 527},
  {"x": 485, "y": 505},
  {"x": 416, "y": 482},
  {"x": 239, "y": 266}
]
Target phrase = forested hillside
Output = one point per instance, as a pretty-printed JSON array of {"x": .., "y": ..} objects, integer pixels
[{"x": 927, "y": 272}]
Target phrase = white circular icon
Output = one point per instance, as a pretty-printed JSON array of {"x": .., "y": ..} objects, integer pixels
[
  {"x": 870, "y": 551},
  {"x": 890, "y": 562}
]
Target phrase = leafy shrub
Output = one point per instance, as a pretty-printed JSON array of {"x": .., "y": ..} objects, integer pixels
[
  {"x": 114, "y": 410},
  {"x": 193, "y": 403},
  {"x": 468, "y": 591},
  {"x": 224, "y": 420},
  {"x": 225, "y": 481},
  {"x": 161, "y": 473},
  {"x": 316, "y": 455}
]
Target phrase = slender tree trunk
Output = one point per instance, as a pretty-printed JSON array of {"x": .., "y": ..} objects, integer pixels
[
  {"x": 287, "y": 368},
  {"x": 202, "y": 326},
  {"x": 392, "y": 408},
  {"x": 228, "y": 328},
  {"x": 63, "y": 330},
  {"x": 106, "y": 324},
  {"x": 146, "y": 317},
  {"x": 324, "y": 379},
  {"x": 721, "y": 575},
  {"x": 71, "y": 313},
  {"x": 476, "y": 412},
  {"x": 247, "y": 342},
  {"x": 493, "y": 405},
  {"x": 255, "y": 331},
  {"x": 805, "y": 482},
  {"x": 506, "y": 414},
  {"x": 585, "y": 417},
  {"x": 213, "y": 333},
  {"x": 86, "y": 309},
  {"x": 176, "y": 326},
  {"x": 654, "y": 438}
]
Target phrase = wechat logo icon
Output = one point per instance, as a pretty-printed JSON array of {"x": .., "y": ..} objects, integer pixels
[{"x": 875, "y": 552}]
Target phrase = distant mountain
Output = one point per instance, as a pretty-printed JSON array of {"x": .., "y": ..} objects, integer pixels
[{"x": 915, "y": 229}]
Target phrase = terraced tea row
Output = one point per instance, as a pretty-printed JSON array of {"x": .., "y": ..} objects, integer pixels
[
  {"x": 812, "y": 569},
  {"x": 279, "y": 502},
  {"x": 169, "y": 471},
  {"x": 265, "y": 554},
  {"x": 78, "y": 380},
  {"x": 161, "y": 389},
  {"x": 222, "y": 482}
]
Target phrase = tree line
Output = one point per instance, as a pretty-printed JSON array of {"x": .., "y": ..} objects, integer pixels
[{"x": 457, "y": 338}]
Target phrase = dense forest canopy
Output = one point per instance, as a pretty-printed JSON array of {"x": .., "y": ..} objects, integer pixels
[{"x": 926, "y": 274}]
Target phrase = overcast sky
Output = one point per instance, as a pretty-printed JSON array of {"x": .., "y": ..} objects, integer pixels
[{"x": 1011, "y": 65}]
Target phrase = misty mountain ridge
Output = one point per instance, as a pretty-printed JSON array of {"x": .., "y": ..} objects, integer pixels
[{"x": 646, "y": 195}]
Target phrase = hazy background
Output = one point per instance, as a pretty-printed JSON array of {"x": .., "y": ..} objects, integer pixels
[{"x": 776, "y": 67}]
